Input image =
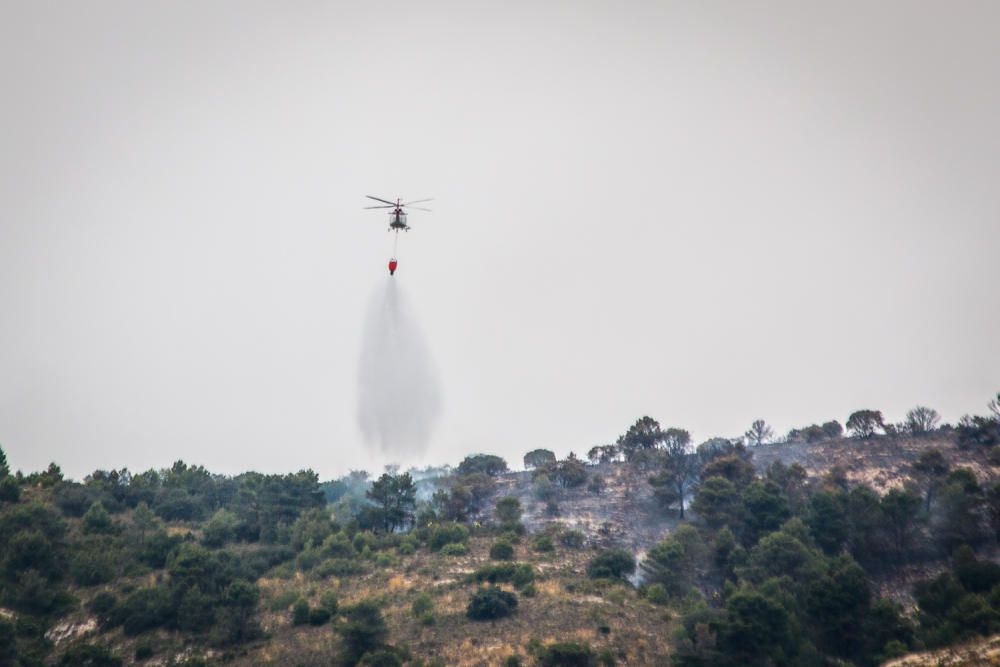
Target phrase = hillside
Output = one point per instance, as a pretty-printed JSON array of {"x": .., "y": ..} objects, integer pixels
[{"x": 794, "y": 553}]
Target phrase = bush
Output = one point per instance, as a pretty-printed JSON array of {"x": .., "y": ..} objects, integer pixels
[
  {"x": 10, "y": 490},
  {"x": 454, "y": 550},
  {"x": 508, "y": 510},
  {"x": 543, "y": 544},
  {"x": 567, "y": 654},
  {"x": 318, "y": 616},
  {"x": 573, "y": 539},
  {"x": 221, "y": 528},
  {"x": 611, "y": 564},
  {"x": 407, "y": 546},
  {"x": 145, "y": 609},
  {"x": 103, "y": 606},
  {"x": 491, "y": 603},
  {"x": 487, "y": 464},
  {"x": 89, "y": 655},
  {"x": 328, "y": 601},
  {"x": 449, "y": 533},
  {"x": 339, "y": 567},
  {"x": 657, "y": 594},
  {"x": 502, "y": 551},
  {"x": 386, "y": 657},
  {"x": 92, "y": 566},
  {"x": 518, "y": 574},
  {"x": 364, "y": 630},
  {"x": 422, "y": 604},
  {"x": 282, "y": 601},
  {"x": 596, "y": 484},
  {"x": 300, "y": 612},
  {"x": 143, "y": 651},
  {"x": 97, "y": 520}
]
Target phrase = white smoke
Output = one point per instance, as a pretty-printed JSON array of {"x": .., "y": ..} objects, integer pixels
[{"x": 398, "y": 389}]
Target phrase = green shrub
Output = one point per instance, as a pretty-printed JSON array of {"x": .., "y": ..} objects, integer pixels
[
  {"x": 502, "y": 551},
  {"x": 92, "y": 565},
  {"x": 300, "y": 612},
  {"x": 448, "y": 533},
  {"x": 363, "y": 631},
  {"x": 328, "y": 601},
  {"x": 893, "y": 649},
  {"x": 611, "y": 564},
  {"x": 491, "y": 603},
  {"x": 308, "y": 559},
  {"x": 221, "y": 528},
  {"x": 407, "y": 547},
  {"x": 365, "y": 540},
  {"x": 337, "y": 545},
  {"x": 454, "y": 550},
  {"x": 543, "y": 544},
  {"x": 10, "y": 490},
  {"x": 282, "y": 601},
  {"x": 518, "y": 574},
  {"x": 386, "y": 657},
  {"x": 513, "y": 661},
  {"x": 103, "y": 606},
  {"x": 567, "y": 654},
  {"x": 318, "y": 616},
  {"x": 657, "y": 594},
  {"x": 92, "y": 655},
  {"x": 339, "y": 567},
  {"x": 97, "y": 520},
  {"x": 143, "y": 651},
  {"x": 422, "y": 603}
]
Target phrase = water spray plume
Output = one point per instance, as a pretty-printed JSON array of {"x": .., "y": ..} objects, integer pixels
[{"x": 398, "y": 388}]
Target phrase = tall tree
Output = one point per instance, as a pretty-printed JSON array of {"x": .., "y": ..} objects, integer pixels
[
  {"x": 932, "y": 468},
  {"x": 921, "y": 420},
  {"x": 396, "y": 497},
  {"x": 864, "y": 422},
  {"x": 679, "y": 467},
  {"x": 143, "y": 521},
  {"x": 641, "y": 436},
  {"x": 758, "y": 433},
  {"x": 537, "y": 458}
]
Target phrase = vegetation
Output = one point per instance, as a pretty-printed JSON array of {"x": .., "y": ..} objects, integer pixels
[{"x": 763, "y": 562}]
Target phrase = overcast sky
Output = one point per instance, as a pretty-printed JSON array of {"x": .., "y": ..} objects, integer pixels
[{"x": 707, "y": 212}]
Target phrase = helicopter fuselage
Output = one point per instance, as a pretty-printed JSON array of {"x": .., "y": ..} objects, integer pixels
[{"x": 397, "y": 221}]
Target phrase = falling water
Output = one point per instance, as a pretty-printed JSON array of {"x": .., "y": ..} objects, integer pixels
[{"x": 398, "y": 389}]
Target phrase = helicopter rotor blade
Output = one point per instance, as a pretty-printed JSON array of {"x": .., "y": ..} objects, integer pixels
[
  {"x": 419, "y": 208},
  {"x": 391, "y": 206},
  {"x": 418, "y": 201},
  {"x": 384, "y": 201}
]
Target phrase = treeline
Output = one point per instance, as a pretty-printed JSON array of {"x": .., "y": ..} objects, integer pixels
[
  {"x": 58, "y": 535},
  {"x": 776, "y": 568},
  {"x": 769, "y": 568}
]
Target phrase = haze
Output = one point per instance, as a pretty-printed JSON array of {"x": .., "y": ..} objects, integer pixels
[{"x": 708, "y": 212}]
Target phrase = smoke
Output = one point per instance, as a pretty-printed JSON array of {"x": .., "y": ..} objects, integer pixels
[{"x": 398, "y": 389}]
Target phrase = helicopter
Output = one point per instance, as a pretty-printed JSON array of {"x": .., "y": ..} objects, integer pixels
[{"x": 397, "y": 221}]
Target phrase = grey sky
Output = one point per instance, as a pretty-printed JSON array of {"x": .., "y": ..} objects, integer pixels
[{"x": 705, "y": 211}]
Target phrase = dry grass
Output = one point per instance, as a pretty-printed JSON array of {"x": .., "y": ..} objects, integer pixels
[
  {"x": 975, "y": 654},
  {"x": 566, "y": 606}
]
